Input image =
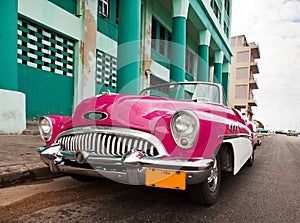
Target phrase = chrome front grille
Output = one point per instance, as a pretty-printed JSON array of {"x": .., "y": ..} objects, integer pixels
[{"x": 110, "y": 144}]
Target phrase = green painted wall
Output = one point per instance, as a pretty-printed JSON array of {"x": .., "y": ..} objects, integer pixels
[
  {"x": 68, "y": 5},
  {"x": 8, "y": 45},
  {"x": 107, "y": 28},
  {"x": 46, "y": 92}
]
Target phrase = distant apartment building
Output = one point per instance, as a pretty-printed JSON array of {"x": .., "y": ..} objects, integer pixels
[{"x": 243, "y": 70}]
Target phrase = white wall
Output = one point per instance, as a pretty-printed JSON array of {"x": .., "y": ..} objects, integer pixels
[{"x": 12, "y": 112}]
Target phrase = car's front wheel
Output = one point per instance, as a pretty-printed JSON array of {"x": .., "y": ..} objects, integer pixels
[{"x": 207, "y": 192}]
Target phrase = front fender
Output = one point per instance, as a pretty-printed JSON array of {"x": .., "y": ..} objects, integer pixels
[{"x": 242, "y": 150}]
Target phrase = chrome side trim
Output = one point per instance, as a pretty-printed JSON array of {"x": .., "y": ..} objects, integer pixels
[{"x": 226, "y": 137}]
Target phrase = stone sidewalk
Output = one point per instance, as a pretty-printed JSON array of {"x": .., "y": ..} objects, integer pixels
[{"x": 19, "y": 160}]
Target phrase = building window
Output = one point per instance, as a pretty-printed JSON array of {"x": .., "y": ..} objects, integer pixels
[
  {"x": 189, "y": 61},
  {"x": 103, "y": 8},
  {"x": 215, "y": 9},
  {"x": 161, "y": 39},
  {"x": 242, "y": 73},
  {"x": 117, "y": 11},
  {"x": 241, "y": 91},
  {"x": 226, "y": 29},
  {"x": 227, "y": 7},
  {"x": 169, "y": 45},
  {"x": 153, "y": 34},
  {"x": 243, "y": 56}
]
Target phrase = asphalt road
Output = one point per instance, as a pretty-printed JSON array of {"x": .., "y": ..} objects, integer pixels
[{"x": 267, "y": 192}]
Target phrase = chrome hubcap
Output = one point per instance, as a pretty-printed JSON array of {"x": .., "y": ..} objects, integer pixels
[{"x": 212, "y": 180}]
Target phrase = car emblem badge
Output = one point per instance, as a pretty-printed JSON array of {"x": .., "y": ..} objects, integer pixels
[{"x": 95, "y": 116}]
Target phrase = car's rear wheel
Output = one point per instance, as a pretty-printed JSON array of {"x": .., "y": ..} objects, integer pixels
[{"x": 207, "y": 192}]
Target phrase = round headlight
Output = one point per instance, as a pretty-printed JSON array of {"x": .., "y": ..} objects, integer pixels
[
  {"x": 184, "y": 124},
  {"x": 185, "y": 128},
  {"x": 45, "y": 127}
]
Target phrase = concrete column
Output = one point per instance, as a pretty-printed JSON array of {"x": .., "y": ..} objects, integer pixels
[
  {"x": 8, "y": 45},
  {"x": 203, "y": 55},
  {"x": 177, "y": 68},
  {"x": 225, "y": 79},
  {"x": 129, "y": 51},
  {"x": 85, "y": 80},
  {"x": 219, "y": 55},
  {"x": 146, "y": 44}
]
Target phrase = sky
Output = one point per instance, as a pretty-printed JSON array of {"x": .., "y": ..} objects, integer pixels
[{"x": 275, "y": 26}]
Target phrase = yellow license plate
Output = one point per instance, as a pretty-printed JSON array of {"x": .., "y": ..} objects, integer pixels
[{"x": 165, "y": 179}]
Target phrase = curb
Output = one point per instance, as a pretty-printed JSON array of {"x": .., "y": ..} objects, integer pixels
[
  {"x": 32, "y": 128},
  {"x": 19, "y": 174}
]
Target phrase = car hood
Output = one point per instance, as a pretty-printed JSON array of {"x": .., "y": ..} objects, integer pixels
[{"x": 137, "y": 112}]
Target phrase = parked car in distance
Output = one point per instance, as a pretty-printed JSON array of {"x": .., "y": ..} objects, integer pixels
[
  {"x": 260, "y": 130},
  {"x": 282, "y": 132},
  {"x": 256, "y": 139},
  {"x": 175, "y": 135},
  {"x": 292, "y": 133}
]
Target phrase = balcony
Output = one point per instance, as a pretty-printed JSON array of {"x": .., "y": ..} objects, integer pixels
[
  {"x": 254, "y": 50},
  {"x": 254, "y": 68},
  {"x": 252, "y": 101},
  {"x": 253, "y": 84}
]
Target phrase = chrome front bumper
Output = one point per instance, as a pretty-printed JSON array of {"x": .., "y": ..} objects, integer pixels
[{"x": 128, "y": 169}]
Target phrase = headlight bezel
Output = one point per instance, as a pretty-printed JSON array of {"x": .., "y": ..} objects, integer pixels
[
  {"x": 185, "y": 128},
  {"x": 45, "y": 134}
]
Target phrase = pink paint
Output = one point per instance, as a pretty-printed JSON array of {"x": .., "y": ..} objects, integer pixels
[{"x": 153, "y": 115}]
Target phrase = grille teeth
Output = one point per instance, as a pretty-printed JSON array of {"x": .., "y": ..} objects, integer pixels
[{"x": 106, "y": 144}]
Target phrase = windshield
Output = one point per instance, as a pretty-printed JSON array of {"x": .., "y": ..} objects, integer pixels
[{"x": 205, "y": 92}]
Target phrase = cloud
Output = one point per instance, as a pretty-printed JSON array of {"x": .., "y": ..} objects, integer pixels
[{"x": 275, "y": 26}]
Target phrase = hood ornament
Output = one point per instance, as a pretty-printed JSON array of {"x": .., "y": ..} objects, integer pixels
[
  {"x": 95, "y": 116},
  {"x": 106, "y": 92}
]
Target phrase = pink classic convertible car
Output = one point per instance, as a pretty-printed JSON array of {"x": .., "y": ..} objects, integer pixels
[{"x": 176, "y": 135}]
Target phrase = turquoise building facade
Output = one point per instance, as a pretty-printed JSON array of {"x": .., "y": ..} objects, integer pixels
[{"x": 58, "y": 53}]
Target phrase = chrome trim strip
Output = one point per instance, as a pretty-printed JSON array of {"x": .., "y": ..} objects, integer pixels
[
  {"x": 175, "y": 163},
  {"x": 226, "y": 137}
]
